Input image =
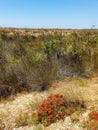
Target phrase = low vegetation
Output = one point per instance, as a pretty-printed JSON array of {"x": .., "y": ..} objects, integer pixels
[
  {"x": 35, "y": 62},
  {"x": 32, "y": 61},
  {"x": 93, "y": 123},
  {"x": 49, "y": 111}
]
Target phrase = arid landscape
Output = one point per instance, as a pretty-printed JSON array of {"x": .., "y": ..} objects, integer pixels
[{"x": 48, "y": 79}]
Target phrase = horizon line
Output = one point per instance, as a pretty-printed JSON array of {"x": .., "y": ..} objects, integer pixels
[{"x": 9, "y": 27}]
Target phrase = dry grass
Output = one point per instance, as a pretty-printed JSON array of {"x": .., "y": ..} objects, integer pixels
[
  {"x": 70, "y": 88},
  {"x": 73, "y": 90}
]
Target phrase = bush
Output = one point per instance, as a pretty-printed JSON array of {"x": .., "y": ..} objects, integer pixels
[
  {"x": 93, "y": 124},
  {"x": 44, "y": 73},
  {"x": 34, "y": 63},
  {"x": 93, "y": 115},
  {"x": 53, "y": 109}
]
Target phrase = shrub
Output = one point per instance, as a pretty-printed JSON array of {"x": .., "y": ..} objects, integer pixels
[
  {"x": 93, "y": 115},
  {"x": 44, "y": 73},
  {"x": 53, "y": 109},
  {"x": 34, "y": 63},
  {"x": 93, "y": 124}
]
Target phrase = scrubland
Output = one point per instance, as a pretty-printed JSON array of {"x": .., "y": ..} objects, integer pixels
[{"x": 48, "y": 79}]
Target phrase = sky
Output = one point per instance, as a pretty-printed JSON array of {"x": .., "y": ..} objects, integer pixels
[{"x": 49, "y": 13}]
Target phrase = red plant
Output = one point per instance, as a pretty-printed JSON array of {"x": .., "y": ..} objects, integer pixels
[
  {"x": 70, "y": 111},
  {"x": 93, "y": 115},
  {"x": 93, "y": 124},
  {"x": 51, "y": 109}
]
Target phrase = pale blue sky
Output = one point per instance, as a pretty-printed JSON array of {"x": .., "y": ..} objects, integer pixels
[{"x": 49, "y": 13}]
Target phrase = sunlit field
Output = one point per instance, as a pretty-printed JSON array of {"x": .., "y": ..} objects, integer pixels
[{"x": 48, "y": 79}]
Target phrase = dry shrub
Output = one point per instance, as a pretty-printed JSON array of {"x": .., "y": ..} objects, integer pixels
[
  {"x": 44, "y": 73},
  {"x": 25, "y": 64}
]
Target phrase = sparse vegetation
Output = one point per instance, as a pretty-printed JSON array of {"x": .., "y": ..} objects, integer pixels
[
  {"x": 33, "y": 60},
  {"x": 26, "y": 119},
  {"x": 52, "y": 109}
]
